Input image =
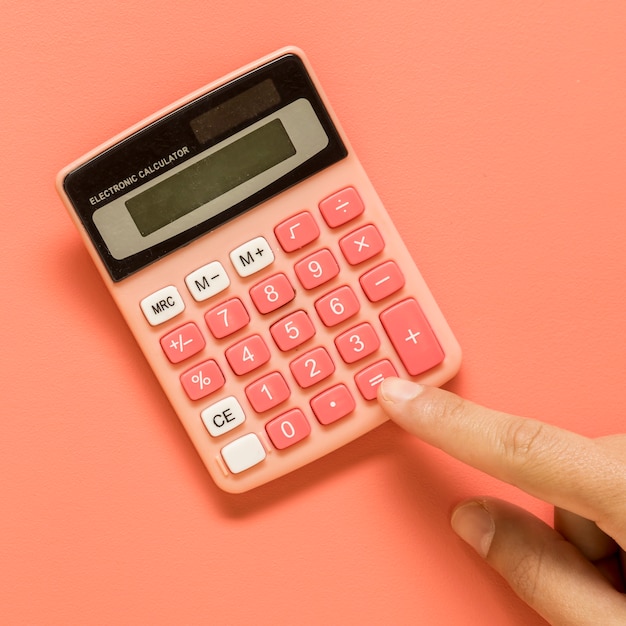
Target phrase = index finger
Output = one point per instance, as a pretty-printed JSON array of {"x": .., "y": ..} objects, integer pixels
[{"x": 558, "y": 466}]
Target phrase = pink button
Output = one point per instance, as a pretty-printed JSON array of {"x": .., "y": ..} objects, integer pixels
[
  {"x": 288, "y": 429},
  {"x": 368, "y": 379},
  {"x": 341, "y": 207},
  {"x": 316, "y": 269},
  {"x": 337, "y": 306},
  {"x": 312, "y": 367},
  {"x": 382, "y": 281},
  {"x": 227, "y": 318},
  {"x": 412, "y": 337},
  {"x": 272, "y": 293},
  {"x": 333, "y": 404},
  {"x": 267, "y": 392},
  {"x": 362, "y": 244},
  {"x": 182, "y": 343},
  {"x": 202, "y": 380},
  {"x": 357, "y": 343},
  {"x": 292, "y": 331},
  {"x": 247, "y": 355},
  {"x": 297, "y": 232}
]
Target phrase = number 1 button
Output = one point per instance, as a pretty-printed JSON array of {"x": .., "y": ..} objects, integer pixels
[{"x": 267, "y": 392}]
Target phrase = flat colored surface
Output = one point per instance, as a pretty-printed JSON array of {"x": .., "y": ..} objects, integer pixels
[{"x": 495, "y": 133}]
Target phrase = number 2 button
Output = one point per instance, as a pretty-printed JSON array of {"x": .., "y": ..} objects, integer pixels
[{"x": 312, "y": 367}]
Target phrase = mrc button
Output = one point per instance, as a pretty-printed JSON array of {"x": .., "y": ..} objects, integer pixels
[{"x": 162, "y": 305}]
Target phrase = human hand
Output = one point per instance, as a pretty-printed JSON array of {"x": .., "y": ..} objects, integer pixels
[{"x": 573, "y": 575}]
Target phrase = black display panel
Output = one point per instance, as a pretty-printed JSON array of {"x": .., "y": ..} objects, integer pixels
[{"x": 236, "y": 115}]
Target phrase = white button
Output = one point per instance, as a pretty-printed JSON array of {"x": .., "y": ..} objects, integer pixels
[
  {"x": 207, "y": 281},
  {"x": 252, "y": 256},
  {"x": 162, "y": 305},
  {"x": 243, "y": 453},
  {"x": 223, "y": 416}
]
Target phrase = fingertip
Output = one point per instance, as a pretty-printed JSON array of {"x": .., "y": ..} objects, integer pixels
[
  {"x": 473, "y": 523},
  {"x": 399, "y": 390}
]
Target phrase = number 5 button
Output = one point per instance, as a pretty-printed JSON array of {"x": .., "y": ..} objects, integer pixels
[{"x": 293, "y": 330}]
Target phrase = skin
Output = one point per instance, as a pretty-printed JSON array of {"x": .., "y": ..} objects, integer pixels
[{"x": 572, "y": 574}]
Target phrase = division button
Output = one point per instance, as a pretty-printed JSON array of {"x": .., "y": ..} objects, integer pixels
[{"x": 341, "y": 207}]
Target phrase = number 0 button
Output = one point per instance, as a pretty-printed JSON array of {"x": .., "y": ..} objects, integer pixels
[{"x": 288, "y": 429}]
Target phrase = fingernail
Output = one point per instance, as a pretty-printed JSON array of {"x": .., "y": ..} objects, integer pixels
[
  {"x": 474, "y": 524},
  {"x": 399, "y": 390}
]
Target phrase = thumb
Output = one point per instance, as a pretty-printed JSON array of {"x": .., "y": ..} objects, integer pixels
[{"x": 546, "y": 571}]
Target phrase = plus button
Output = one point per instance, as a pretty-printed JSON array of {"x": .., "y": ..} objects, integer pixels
[{"x": 412, "y": 336}]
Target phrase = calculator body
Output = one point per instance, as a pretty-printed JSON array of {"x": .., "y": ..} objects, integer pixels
[{"x": 258, "y": 270}]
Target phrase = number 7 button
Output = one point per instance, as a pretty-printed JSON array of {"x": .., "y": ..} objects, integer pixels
[{"x": 412, "y": 337}]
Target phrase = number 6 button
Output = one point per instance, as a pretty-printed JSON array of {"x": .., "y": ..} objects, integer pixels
[{"x": 337, "y": 306}]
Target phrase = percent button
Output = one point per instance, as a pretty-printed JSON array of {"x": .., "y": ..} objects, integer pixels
[{"x": 202, "y": 380}]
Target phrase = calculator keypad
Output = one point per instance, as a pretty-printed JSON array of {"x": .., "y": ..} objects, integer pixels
[{"x": 335, "y": 296}]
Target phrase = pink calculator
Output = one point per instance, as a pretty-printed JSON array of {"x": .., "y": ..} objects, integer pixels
[{"x": 258, "y": 270}]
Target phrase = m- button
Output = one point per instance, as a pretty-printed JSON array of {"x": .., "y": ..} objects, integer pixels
[{"x": 162, "y": 305}]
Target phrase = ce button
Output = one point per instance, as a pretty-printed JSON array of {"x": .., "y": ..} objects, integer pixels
[{"x": 223, "y": 416}]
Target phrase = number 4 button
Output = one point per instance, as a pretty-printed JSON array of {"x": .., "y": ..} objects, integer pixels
[{"x": 247, "y": 355}]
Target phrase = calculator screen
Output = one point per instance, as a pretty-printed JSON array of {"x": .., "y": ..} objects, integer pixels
[
  {"x": 203, "y": 164},
  {"x": 211, "y": 177}
]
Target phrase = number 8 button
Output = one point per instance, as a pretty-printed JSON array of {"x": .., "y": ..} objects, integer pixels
[{"x": 272, "y": 293}]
